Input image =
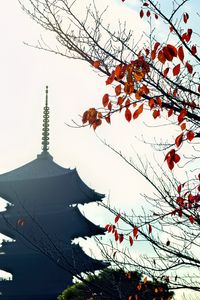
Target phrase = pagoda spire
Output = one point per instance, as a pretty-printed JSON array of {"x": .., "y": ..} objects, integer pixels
[{"x": 45, "y": 129}]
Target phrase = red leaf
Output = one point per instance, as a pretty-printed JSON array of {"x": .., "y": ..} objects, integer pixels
[
  {"x": 181, "y": 53},
  {"x": 105, "y": 100},
  {"x": 153, "y": 54},
  {"x": 170, "y": 112},
  {"x": 118, "y": 70},
  {"x": 151, "y": 103},
  {"x": 179, "y": 140},
  {"x": 176, "y": 158},
  {"x": 194, "y": 49},
  {"x": 156, "y": 46},
  {"x": 172, "y": 50},
  {"x": 156, "y": 113},
  {"x": 116, "y": 236},
  {"x": 135, "y": 231},
  {"x": 161, "y": 57},
  {"x": 190, "y": 135},
  {"x": 170, "y": 164},
  {"x": 114, "y": 254},
  {"x": 118, "y": 90},
  {"x": 165, "y": 72},
  {"x": 156, "y": 16},
  {"x": 120, "y": 101},
  {"x": 150, "y": 229},
  {"x": 117, "y": 218},
  {"x": 191, "y": 218},
  {"x": 121, "y": 238},
  {"x": 185, "y": 17},
  {"x": 111, "y": 78},
  {"x": 189, "y": 67},
  {"x": 138, "y": 111},
  {"x": 182, "y": 115},
  {"x": 110, "y": 106},
  {"x": 128, "y": 114},
  {"x": 199, "y": 88},
  {"x": 176, "y": 70},
  {"x": 179, "y": 188},
  {"x": 148, "y": 13},
  {"x": 131, "y": 240},
  {"x": 107, "y": 118},
  {"x": 141, "y": 13},
  {"x": 183, "y": 126},
  {"x": 96, "y": 63}
]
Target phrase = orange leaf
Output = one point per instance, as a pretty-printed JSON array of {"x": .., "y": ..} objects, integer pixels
[
  {"x": 153, "y": 54},
  {"x": 117, "y": 218},
  {"x": 182, "y": 115},
  {"x": 105, "y": 100},
  {"x": 176, "y": 70},
  {"x": 129, "y": 88},
  {"x": 96, "y": 123},
  {"x": 183, "y": 126},
  {"x": 118, "y": 90},
  {"x": 111, "y": 78},
  {"x": 156, "y": 113},
  {"x": 161, "y": 57},
  {"x": 139, "y": 75},
  {"x": 128, "y": 114},
  {"x": 190, "y": 135},
  {"x": 179, "y": 140},
  {"x": 181, "y": 53},
  {"x": 120, "y": 101},
  {"x": 96, "y": 64},
  {"x": 151, "y": 103},
  {"x": 85, "y": 117},
  {"x": 159, "y": 101},
  {"x": 118, "y": 70}
]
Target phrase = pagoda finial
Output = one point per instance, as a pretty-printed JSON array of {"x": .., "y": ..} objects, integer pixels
[{"x": 45, "y": 129}]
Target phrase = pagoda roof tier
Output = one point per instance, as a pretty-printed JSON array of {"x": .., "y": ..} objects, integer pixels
[
  {"x": 43, "y": 177},
  {"x": 36, "y": 266},
  {"x": 59, "y": 225}
]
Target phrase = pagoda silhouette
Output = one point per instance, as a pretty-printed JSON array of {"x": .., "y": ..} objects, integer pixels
[{"x": 42, "y": 219}]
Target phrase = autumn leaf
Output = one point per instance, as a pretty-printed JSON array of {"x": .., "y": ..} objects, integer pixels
[
  {"x": 170, "y": 112},
  {"x": 141, "y": 13},
  {"x": 96, "y": 64},
  {"x": 156, "y": 113},
  {"x": 189, "y": 67},
  {"x": 183, "y": 126},
  {"x": 105, "y": 100},
  {"x": 135, "y": 231},
  {"x": 191, "y": 218},
  {"x": 117, "y": 218},
  {"x": 128, "y": 114},
  {"x": 139, "y": 75},
  {"x": 148, "y": 13},
  {"x": 165, "y": 72},
  {"x": 190, "y": 135},
  {"x": 161, "y": 57},
  {"x": 176, "y": 70},
  {"x": 194, "y": 49},
  {"x": 181, "y": 53},
  {"x": 131, "y": 240},
  {"x": 182, "y": 115},
  {"x": 129, "y": 88},
  {"x": 107, "y": 118},
  {"x": 150, "y": 229},
  {"x": 118, "y": 90},
  {"x": 185, "y": 17},
  {"x": 145, "y": 280},
  {"x": 121, "y": 238},
  {"x": 179, "y": 140},
  {"x": 151, "y": 103},
  {"x": 120, "y": 100},
  {"x": 116, "y": 236},
  {"x": 111, "y": 78}
]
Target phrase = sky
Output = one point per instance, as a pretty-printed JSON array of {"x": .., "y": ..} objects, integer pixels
[{"x": 73, "y": 87}]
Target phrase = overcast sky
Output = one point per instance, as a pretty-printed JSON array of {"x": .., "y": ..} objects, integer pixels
[{"x": 73, "y": 87}]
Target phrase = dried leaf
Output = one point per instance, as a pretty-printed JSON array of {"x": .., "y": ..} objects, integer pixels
[
  {"x": 105, "y": 100},
  {"x": 190, "y": 135},
  {"x": 128, "y": 114},
  {"x": 179, "y": 139}
]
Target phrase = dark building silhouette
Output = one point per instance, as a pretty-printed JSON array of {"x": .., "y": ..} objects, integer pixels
[{"x": 43, "y": 218}]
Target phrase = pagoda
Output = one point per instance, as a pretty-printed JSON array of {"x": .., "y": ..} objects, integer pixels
[{"x": 43, "y": 219}]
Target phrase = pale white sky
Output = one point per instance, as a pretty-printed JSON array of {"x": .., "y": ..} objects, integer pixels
[{"x": 73, "y": 87}]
